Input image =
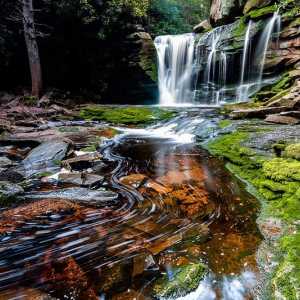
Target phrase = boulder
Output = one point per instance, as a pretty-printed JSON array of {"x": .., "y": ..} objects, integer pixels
[
  {"x": 82, "y": 179},
  {"x": 225, "y": 11},
  {"x": 258, "y": 112},
  {"x": 45, "y": 158},
  {"x": 280, "y": 119},
  {"x": 253, "y": 4},
  {"x": 133, "y": 180},
  {"x": 77, "y": 194},
  {"x": 203, "y": 27},
  {"x": 9, "y": 190}
]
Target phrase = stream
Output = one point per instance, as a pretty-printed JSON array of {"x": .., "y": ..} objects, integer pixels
[{"x": 180, "y": 226}]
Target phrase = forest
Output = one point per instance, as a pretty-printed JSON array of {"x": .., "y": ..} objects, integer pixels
[{"x": 150, "y": 150}]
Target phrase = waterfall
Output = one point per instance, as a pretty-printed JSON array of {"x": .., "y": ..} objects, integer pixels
[
  {"x": 263, "y": 45},
  {"x": 202, "y": 72},
  {"x": 175, "y": 72},
  {"x": 243, "y": 90}
]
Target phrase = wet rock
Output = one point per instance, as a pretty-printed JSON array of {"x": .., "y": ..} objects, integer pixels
[
  {"x": 157, "y": 187},
  {"x": 224, "y": 11},
  {"x": 202, "y": 27},
  {"x": 251, "y": 4},
  {"x": 9, "y": 190},
  {"x": 81, "y": 161},
  {"x": 271, "y": 228},
  {"x": 44, "y": 158},
  {"x": 82, "y": 179},
  {"x": 80, "y": 195},
  {"x": 5, "y": 125},
  {"x": 258, "y": 112},
  {"x": 11, "y": 175},
  {"x": 100, "y": 167},
  {"x": 5, "y": 162},
  {"x": 280, "y": 119},
  {"x": 130, "y": 295},
  {"x": 134, "y": 180},
  {"x": 185, "y": 280}
]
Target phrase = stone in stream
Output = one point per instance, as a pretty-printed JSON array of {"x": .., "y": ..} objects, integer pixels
[
  {"x": 82, "y": 179},
  {"x": 281, "y": 119},
  {"x": 44, "y": 158},
  {"x": 78, "y": 194},
  {"x": 5, "y": 162},
  {"x": 185, "y": 280},
  {"x": 9, "y": 190}
]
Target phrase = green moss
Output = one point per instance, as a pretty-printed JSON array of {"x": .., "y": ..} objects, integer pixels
[
  {"x": 277, "y": 182},
  {"x": 278, "y": 89},
  {"x": 286, "y": 282},
  {"x": 126, "y": 115},
  {"x": 279, "y": 169},
  {"x": 30, "y": 100},
  {"x": 262, "y": 12},
  {"x": 185, "y": 280},
  {"x": 224, "y": 123},
  {"x": 292, "y": 151},
  {"x": 241, "y": 28},
  {"x": 91, "y": 148}
]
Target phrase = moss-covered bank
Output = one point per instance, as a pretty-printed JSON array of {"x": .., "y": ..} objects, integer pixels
[
  {"x": 276, "y": 179},
  {"x": 125, "y": 115}
]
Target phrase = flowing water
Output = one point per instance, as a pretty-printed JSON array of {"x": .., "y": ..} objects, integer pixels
[
  {"x": 177, "y": 206},
  {"x": 205, "y": 70}
]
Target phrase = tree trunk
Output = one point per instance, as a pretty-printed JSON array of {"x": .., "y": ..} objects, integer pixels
[{"x": 32, "y": 48}]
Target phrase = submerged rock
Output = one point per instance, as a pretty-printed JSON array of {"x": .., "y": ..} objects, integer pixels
[
  {"x": 82, "y": 179},
  {"x": 5, "y": 162},
  {"x": 44, "y": 158},
  {"x": 9, "y": 190},
  {"x": 82, "y": 195},
  {"x": 185, "y": 280}
]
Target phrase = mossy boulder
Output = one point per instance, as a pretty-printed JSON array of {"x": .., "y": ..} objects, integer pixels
[
  {"x": 125, "y": 115},
  {"x": 292, "y": 151},
  {"x": 262, "y": 12},
  {"x": 254, "y": 4},
  {"x": 185, "y": 280},
  {"x": 286, "y": 282}
]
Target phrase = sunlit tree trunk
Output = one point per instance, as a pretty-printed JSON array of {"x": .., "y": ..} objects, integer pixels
[{"x": 32, "y": 47}]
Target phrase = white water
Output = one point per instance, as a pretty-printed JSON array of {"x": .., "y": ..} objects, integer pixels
[
  {"x": 175, "y": 75},
  {"x": 263, "y": 45},
  {"x": 192, "y": 73}
]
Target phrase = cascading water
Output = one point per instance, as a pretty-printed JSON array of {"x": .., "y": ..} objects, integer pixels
[
  {"x": 175, "y": 74},
  {"x": 191, "y": 72},
  {"x": 263, "y": 45},
  {"x": 243, "y": 90}
]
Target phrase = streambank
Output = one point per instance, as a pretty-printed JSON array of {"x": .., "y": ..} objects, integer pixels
[{"x": 266, "y": 157}]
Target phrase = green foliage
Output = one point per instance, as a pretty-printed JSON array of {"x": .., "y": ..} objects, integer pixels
[
  {"x": 176, "y": 16},
  {"x": 127, "y": 115}
]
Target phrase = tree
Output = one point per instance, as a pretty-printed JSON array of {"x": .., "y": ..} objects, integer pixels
[{"x": 30, "y": 35}]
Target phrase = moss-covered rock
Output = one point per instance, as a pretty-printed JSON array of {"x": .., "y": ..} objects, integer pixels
[
  {"x": 286, "y": 282},
  {"x": 277, "y": 182},
  {"x": 262, "y": 12},
  {"x": 292, "y": 151},
  {"x": 254, "y": 4},
  {"x": 126, "y": 115},
  {"x": 185, "y": 280}
]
